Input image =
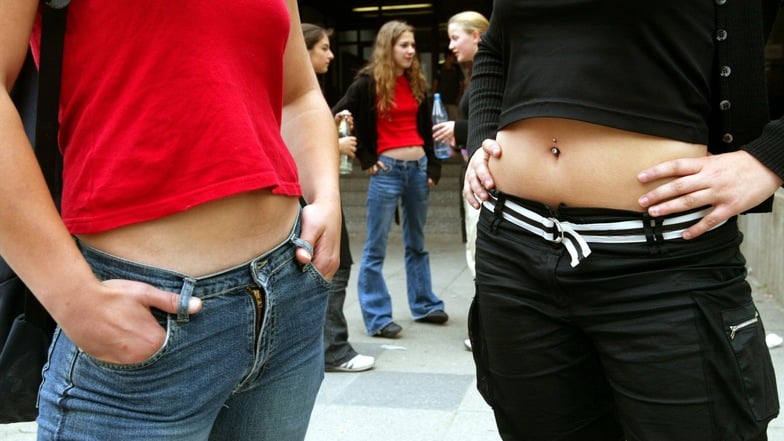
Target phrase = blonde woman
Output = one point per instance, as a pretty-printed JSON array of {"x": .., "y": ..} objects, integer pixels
[
  {"x": 464, "y": 30},
  {"x": 395, "y": 147}
]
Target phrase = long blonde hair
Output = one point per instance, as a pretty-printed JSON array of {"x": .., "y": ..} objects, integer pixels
[{"x": 382, "y": 66}]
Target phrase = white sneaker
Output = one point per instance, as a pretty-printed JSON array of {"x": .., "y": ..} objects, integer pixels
[
  {"x": 357, "y": 364},
  {"x": 467, "y": 344}
]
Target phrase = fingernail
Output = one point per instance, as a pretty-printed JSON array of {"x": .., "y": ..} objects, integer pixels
[{"x": 194, "y": 303}]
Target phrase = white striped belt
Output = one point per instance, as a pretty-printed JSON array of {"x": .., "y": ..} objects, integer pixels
[{"x": 576, "y": 236}]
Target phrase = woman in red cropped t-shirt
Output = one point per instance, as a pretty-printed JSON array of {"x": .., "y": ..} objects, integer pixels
[
  {"x": 395, "y": 146},
  {"x": 188, "y": 283}
]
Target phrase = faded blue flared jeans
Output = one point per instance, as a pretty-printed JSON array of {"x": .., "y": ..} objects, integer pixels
[{"x": 404, "y": 181}]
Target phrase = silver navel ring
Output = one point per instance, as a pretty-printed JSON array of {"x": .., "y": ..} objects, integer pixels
[{"x": 554, "y": 150}]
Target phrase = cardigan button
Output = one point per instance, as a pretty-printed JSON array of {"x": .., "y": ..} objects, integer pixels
[
  {"x": 725, "y": 105},
  {"x": 725, "y": 71},
  {"x": 727, "y": 138},
  {"x": 721, "y": 35}
]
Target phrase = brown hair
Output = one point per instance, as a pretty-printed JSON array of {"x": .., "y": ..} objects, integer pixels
[
  {"x": 382, "y": 66},
  {"x": 313, "y": 34}
]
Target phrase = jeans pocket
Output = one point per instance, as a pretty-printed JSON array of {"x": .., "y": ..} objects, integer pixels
[
  {"x": 746, "y": 337},
  {"x": 316, "y": 275},
  {"x": 166, "y": 321}
]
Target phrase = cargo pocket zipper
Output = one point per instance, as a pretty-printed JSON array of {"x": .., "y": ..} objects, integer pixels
[{"x": 746, "y": 324}]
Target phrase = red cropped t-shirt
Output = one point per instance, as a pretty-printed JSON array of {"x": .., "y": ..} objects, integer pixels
[{"x": 166, "y": 105}]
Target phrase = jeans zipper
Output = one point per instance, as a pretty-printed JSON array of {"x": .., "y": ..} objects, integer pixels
[
  {"x": 257, "y": 297},
  {"x": 739, "y": 326}
]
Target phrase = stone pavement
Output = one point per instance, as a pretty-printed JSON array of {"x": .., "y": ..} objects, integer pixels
[{"x": 423, "y": 387}]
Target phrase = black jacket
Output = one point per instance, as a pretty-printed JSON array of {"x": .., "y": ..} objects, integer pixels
[
  {"x": 360, "y": 100},
  {"x": 461, "y": 123}
]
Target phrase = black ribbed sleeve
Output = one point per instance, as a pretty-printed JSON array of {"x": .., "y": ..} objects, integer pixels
[
  {"x": 487, "y": 90},
  {"x": 768, "y": 148}
]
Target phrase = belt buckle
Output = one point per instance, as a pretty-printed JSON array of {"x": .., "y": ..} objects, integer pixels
[{"x": 558, "y": 236}]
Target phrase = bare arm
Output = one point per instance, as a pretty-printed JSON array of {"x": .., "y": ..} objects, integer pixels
[
  {"x": 309, "y": 131},
  {"x": 39, "y": 248}
]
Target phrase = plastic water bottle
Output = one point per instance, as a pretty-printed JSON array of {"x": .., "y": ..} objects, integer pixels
[
  {"x": 344, "y": 129},
  {"x": 442, "y": 149}
]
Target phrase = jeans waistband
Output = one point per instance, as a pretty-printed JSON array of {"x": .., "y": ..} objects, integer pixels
[
  {"x": 576, "y": 235},
  {"x": 392, "y": 162},
  {"x": 173, "y": 280}
]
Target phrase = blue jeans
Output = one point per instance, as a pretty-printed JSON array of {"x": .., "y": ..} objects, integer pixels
[
  {"x": 405, "y": 181},
  {"x": 237, "y": 370}
]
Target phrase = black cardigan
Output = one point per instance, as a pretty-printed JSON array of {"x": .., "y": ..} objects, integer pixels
[
  {"x": 740, "y": 116},
  {"x": 360, "y": 100}
]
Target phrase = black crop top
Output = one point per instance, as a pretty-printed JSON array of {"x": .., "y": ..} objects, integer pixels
[{"x": 638, "y": 66}]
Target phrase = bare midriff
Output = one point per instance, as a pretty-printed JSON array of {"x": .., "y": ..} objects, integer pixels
[
  {"x": 560, "y": 161},
  {"x": 411, "y": 153},
  {"x": 207, "y": 238}
]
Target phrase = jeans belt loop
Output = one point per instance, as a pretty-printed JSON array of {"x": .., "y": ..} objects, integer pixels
[{"x": 186, "y": 292}]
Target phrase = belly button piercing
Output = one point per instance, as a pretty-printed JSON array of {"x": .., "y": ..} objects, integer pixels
[{"x": 554, "y": 149}]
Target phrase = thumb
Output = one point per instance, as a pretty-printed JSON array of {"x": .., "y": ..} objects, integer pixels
[
  {"x": 304, "y": 250},
  {"x": 169, "y": 302},
  {"x": 303, "y": 256}
]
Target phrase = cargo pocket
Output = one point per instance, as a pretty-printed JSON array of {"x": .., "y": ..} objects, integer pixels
[
  {"x": 479, "y": 352},
  {"x": 746, "y": 336}
]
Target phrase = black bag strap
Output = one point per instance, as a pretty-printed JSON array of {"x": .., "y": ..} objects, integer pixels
[
  {"x": 47, "y": 124},
  {"x": 49, "y": 71}
]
